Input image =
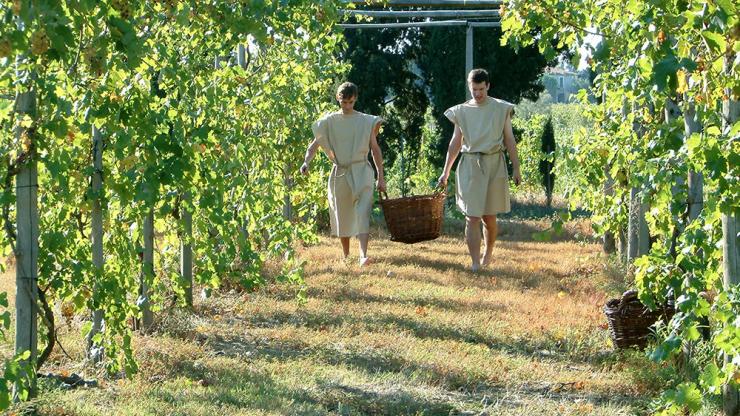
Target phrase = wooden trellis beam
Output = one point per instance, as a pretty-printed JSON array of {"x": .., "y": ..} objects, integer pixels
[
  {"x": 448, "y": 14},
  {"x": 428, "y": 3},
  {"x": 437, "y": 23}
]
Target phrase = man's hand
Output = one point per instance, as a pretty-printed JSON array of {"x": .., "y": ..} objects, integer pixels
[
  {"x": 517, "y": 177},
  {"x": 381, "y": 184},
  {"x": 304, "y": 169},
  {"x": 442, "y": 182}
]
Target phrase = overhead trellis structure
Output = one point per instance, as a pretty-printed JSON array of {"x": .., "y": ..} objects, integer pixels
[
  {"x": 468, "y": 13},
  {"x": 456, "y": 14},
  {"x": 429, "y": 3}
]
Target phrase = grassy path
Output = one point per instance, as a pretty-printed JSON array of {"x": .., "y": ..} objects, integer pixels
[{"x": 415, "y": 333}]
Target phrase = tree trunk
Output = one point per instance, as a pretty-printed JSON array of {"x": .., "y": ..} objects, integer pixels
[
  {"x": 95, "y": 352},
  {"x": 26, "y": 255},
  {"x": 550, "y": 185},
  {"x": 47, "y": 316},
  {"x": 609, "y": 243}
]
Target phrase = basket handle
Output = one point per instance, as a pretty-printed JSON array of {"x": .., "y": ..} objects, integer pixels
[
  {"x": 440, "y": 189},
  {"x": 626, "y": 298}
]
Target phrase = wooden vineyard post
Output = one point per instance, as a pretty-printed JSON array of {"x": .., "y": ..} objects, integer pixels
[
  {"x": 147, "y": 274},
  {"x": 730, "y": 229},
  {"x": 186, "y": 248},
  {"x": 638, "y": 236},
  {"x": 94, "y": 352},
  {"x": 26, "y": 255}
]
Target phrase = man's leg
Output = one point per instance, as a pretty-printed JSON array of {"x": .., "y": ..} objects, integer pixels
[
  {"x": 472, "y": 237},
  {"x": 345, "y": 246},
  {"x": 490, "y": 231},
  {"x": 363, "y": 247}
]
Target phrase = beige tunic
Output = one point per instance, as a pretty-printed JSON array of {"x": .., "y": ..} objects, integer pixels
[
  {"x": 481, "y": 176},
  {"x": 346, "y": 140}
]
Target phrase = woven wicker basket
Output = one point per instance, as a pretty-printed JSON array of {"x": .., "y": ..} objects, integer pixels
[
  {"x": 630, "y": 321},
  {"x": 414, "y": 218}
]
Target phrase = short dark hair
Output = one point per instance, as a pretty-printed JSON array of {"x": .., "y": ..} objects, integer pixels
[
  {"x": 478, "y": 75},
  {"x": 347, "y": 90}
]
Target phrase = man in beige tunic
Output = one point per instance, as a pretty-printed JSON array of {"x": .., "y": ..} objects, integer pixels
[
  {"x": 482, "y": 131},
  {"x": 346, "y": 136}
]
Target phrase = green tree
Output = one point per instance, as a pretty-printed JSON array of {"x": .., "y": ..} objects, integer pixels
[{"x": 547, "y": 140}]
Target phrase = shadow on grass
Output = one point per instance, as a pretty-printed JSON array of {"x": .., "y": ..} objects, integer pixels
[
  {"x": 354, "y": 295},
  {"x": 481, "y": 280},
  {"x": 241, "y": 387},
  {"x": 438, "y": 265},
  {"x": 464, "y": 389},
  {"x": 556, "y": 348}
]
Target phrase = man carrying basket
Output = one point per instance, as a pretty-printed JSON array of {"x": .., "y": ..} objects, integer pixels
[
  {"x": 346, "y": 136},
  {"x": 482, "y": 131}
]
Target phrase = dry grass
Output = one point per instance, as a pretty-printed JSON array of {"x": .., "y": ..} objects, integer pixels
[{"x": 415, "y": 333}]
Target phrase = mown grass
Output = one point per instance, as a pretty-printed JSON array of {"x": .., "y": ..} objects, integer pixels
[{"x": 415, "y": 333}]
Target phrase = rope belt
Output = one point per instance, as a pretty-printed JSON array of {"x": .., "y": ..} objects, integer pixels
[
  {"x": 342, "y": 168},
  {"x": 496, "y": 150}
]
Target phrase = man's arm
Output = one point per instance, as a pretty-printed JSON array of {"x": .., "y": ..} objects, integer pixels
[
  {"x": 453, "y": 150},
  {"x": 510, "y": 144},
  {"x": 310, "y": 153},
  {"x": 377, "y": 157}
]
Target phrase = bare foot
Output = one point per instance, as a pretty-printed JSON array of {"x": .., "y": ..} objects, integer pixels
[
  {"x": 365, "y": 261},
  {"x": 475, "y": 268},
  {"x": 486, "y": 260}
]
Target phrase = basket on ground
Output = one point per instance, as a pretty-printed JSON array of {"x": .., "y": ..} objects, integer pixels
[
  {"x": 413, "y": 219},
  {"x": 630, "y": 320}
]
